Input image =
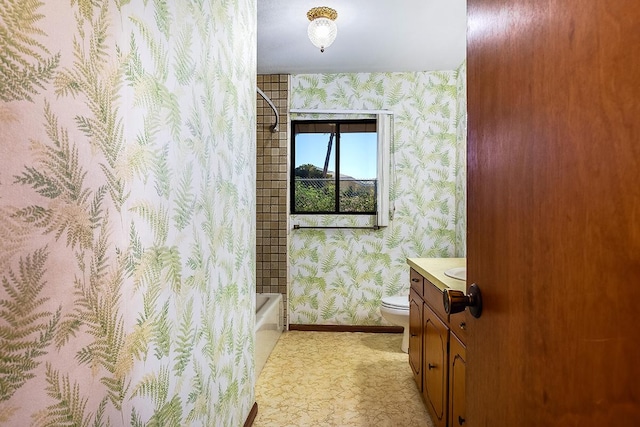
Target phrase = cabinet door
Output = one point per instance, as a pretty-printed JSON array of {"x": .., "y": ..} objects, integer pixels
[
  {"x": 457, "y": 369},
  {"x": 435, "y": 368},
  {"x": 415, "y": 337}
]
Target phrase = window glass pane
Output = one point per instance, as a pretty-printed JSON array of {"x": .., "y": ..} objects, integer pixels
[
  {"x": 358, "y": 170},
  {"x": 358, "y": 155},
  {"x": 318, "y": 180},
  {"x": 314, "y": 173}
]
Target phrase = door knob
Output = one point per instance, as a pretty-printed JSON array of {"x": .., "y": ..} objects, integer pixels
[{"x": 457, "y": 301}]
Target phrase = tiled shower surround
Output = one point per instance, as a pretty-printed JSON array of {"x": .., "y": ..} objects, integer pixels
[{"x": 272, "y": 188}]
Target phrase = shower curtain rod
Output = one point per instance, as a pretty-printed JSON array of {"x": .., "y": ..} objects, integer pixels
[{"x": 274, "y": 127}]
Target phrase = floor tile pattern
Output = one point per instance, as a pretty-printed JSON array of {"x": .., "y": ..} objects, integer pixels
[{"x": 338, "y": 379}]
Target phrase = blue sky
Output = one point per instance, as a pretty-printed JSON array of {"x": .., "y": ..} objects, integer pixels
[{"x": 358, "y": 156}]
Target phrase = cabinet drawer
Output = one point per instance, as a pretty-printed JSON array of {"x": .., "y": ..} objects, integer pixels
[
  {"x": 417, "y": 282},
  {"x": 458, "y": 325},
  {"x": 433, "y": 297}
]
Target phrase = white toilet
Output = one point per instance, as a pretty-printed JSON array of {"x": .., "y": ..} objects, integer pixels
[{"x": 395, "y": 310}]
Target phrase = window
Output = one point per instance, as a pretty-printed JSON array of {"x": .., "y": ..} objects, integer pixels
[{"x": 334, "y": 167}]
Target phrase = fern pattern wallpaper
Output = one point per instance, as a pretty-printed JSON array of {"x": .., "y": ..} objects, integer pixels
[
  {"x": 127, "y": 150},
  {"x": 461, "y": 161},
  {"x": 339, "y": 276}
]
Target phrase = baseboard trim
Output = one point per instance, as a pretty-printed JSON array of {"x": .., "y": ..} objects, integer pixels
[
  {"x": 348, "y": 328},
  {"x": 252, "y": 415}
]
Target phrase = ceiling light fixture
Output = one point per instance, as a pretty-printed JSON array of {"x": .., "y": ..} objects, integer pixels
[{"x": 322, "y": 28}]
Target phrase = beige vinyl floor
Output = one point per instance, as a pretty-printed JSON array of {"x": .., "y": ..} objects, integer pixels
[{"x": 343, "y": 379}]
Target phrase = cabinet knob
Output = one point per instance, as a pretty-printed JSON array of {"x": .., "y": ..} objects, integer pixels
[
  {"x": 460, "y": 420},
  {"x": 457, "y": 301},
  {"x": 415, "y": 280},
  {"x": 430, "y": 366},
  {"x": 463, "y": 325}
]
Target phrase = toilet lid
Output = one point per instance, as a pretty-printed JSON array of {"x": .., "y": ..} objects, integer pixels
[{"x": 397, "y": 302}]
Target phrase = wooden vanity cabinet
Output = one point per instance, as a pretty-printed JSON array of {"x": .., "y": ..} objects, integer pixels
[{"x": 437, "y": 352}]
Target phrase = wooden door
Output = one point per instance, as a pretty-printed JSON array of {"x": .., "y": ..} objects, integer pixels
[{"x": 554, "y": 212}]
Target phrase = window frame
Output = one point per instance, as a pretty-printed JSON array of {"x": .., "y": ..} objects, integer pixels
[{"x": 292, "y": 176}]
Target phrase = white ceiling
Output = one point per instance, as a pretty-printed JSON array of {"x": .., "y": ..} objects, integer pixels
[{"x": 373, "y": 35}]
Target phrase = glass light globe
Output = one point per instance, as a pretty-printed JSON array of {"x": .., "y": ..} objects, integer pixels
[{"x": 322, "y": 32}]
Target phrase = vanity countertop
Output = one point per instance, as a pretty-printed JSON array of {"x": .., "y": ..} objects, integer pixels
[{"x": 433, "y": 270}]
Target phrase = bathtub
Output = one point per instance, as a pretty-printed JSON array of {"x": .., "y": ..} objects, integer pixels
[{"x": 269, "y": 311}]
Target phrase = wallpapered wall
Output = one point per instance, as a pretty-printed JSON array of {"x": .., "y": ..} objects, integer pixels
[
  {"x": 339, "y": 276},
  {"x": 127, "y": 151},
  {"x": 461, "y": 161}
]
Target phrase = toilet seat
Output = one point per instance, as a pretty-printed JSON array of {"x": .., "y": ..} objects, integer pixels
[{"x": 396, "y": 303}]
